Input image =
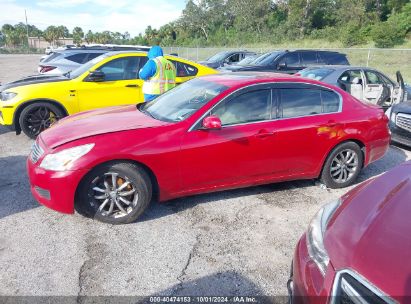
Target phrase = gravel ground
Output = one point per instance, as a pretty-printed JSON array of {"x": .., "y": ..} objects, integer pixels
[{"x": 227, "y": 243}]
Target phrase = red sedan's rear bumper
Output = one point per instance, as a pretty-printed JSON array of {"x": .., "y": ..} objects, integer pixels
[
  {"x": 307, "y": 284},
  {"x": 55, "y": 190}
]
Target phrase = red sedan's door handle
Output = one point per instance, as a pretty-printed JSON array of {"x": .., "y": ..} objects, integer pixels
[
  {"x": 333, "y": 124},
  {"x": 263, "y": 134},
  {"x": 132, "y": 86}
]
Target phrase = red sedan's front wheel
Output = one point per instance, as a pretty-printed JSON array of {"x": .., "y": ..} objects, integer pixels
[{"x": 115, "y": 193}]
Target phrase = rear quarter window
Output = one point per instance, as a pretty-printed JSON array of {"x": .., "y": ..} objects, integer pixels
[
  {"x": 93, "y": 55},
  {"x": 52, "y": 57},
  {"x": 330, "y": 101},
  {"x": 79, "y": 58}
]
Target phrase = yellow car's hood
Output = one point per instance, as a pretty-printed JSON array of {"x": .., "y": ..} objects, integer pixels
[{"x": 35, "y": 79}]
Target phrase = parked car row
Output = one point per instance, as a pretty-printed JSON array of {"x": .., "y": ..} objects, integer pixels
[
  {"x": 364, "y": 83},
  {"x": 112, "y": 155},
  {"x": 33, "y": 103},
  {"x": 67, "y": 59}
]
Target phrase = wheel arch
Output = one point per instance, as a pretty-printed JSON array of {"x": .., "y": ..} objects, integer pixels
[
  {"x": 25, "y": 104},
  {"x": 359, "y": 142},
  {"x": 148, "y": 170}
]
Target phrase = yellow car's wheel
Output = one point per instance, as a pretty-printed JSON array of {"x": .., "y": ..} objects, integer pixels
[{"x": 37, "y": 117}]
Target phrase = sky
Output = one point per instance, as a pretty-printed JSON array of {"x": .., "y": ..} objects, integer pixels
[{"x": 132, "y": 16}]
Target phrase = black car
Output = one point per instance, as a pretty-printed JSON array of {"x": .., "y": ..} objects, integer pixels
[
  {"x": 400, "y": 123},
  {"x": 290, "y": 62},
  {"x": 226, "y": 58}
]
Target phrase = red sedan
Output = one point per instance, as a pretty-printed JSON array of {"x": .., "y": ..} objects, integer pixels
[
  {"x": 211, "y": 133},
  {"x": 357, "y": 249}
]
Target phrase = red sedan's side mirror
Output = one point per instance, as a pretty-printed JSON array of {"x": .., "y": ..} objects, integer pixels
[{"x": 212, "y": 123}]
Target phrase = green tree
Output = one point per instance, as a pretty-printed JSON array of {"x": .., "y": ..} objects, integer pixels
[
  {"x": 78, "y": 35},
  {"x": 89, "y": 37},
  {"x": 51, "y": 34},
  {"x": 63, "y": 31},
  {"x": 12, "y": 37}
]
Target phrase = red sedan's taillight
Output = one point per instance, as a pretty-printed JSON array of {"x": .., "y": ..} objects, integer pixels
[{"x": 46, "y": 68}]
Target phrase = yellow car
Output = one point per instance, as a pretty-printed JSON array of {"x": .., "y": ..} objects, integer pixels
[{"x": 32, "y": 104}]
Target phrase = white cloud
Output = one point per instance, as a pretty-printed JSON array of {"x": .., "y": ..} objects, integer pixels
[
  {"x": 60, "y": 4},
  {"x": 117, "y": 16}
]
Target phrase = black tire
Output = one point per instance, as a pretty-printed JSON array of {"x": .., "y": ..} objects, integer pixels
[
  {"x": 37, "y": 117},
  {"x": 331, "y": 173},
  {"x": 89, "y": 202}
]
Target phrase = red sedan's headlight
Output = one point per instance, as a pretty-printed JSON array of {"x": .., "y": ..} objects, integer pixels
[{"x": 315, "y": 235}]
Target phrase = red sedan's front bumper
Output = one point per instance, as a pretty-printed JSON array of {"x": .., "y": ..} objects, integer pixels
[
  {"x": 307, "y": 284},
  {"x": 55, "y": 190}
]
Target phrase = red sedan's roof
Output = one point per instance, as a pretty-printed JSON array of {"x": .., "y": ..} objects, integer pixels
[{"x": 239, "y": 79}]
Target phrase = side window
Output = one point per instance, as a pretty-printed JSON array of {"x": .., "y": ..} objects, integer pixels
[
  {"x": 93, "y": 55},
  {"x": 330, "y": 101},
  {"x": 299, "y": 102},
  {"x": 373, "y": 78},
  {"x": 291, "y": 59},
  {"x": 233, "y": 58},
  {"x": 332, "y": 58},
  {"x": 309, "y": 58},
  {"x": 184, "y": 69},
  {"x": 348, "y": 76},
  {"x": 385, "y": 79},
  {"x": 79, "y": 58},
  {"x": 247, "y": 107},
  {"x": 143, "y": 60},
  {"x": 121, "y": 69}
]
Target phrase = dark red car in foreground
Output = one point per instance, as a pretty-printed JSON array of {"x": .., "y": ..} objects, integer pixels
[
  {"x": 357, "y": 249},
  {"x": 211, "y": 133}
]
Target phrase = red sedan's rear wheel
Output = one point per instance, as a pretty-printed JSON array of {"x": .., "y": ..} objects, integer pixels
[
  {"x": 343, "y": 165},
  {"x": 114, "y": 193}
]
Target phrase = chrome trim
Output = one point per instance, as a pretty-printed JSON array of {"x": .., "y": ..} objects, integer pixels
[
  {"x": 352, "y": 293},
  {"x": 360, "y": 279},
  {"x": 403, "y": 121},
  {"x": 340, "y": 107}
]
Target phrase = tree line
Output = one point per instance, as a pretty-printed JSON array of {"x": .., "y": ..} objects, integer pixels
[
  {"x": 16, "y": 35},
  {"x": 238, "y": 22}
]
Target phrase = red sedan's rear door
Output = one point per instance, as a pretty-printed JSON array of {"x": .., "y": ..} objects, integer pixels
[{"x": 308, "y": 125}]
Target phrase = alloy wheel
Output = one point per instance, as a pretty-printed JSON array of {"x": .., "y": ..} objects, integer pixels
[
  {"x": 39, "y": 119},
  {"x": 113, "y": 195},
  {"x": 344, "y": 166}
]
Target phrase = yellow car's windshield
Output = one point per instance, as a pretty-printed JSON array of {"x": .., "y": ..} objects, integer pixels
[{"x": 85, "y": 67}]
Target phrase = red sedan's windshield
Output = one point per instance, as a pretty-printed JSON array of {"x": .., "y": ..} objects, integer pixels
[{"x": 182, "y": 101}]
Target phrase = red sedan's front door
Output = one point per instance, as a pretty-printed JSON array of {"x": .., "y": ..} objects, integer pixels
[
  {"x": 236, "y": 153},
  {"x": 231, "y": 155}
]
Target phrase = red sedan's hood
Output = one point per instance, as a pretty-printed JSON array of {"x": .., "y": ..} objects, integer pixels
[
  {"x": 96, "y": 122},
  {"x": 371, "y": 233}
]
